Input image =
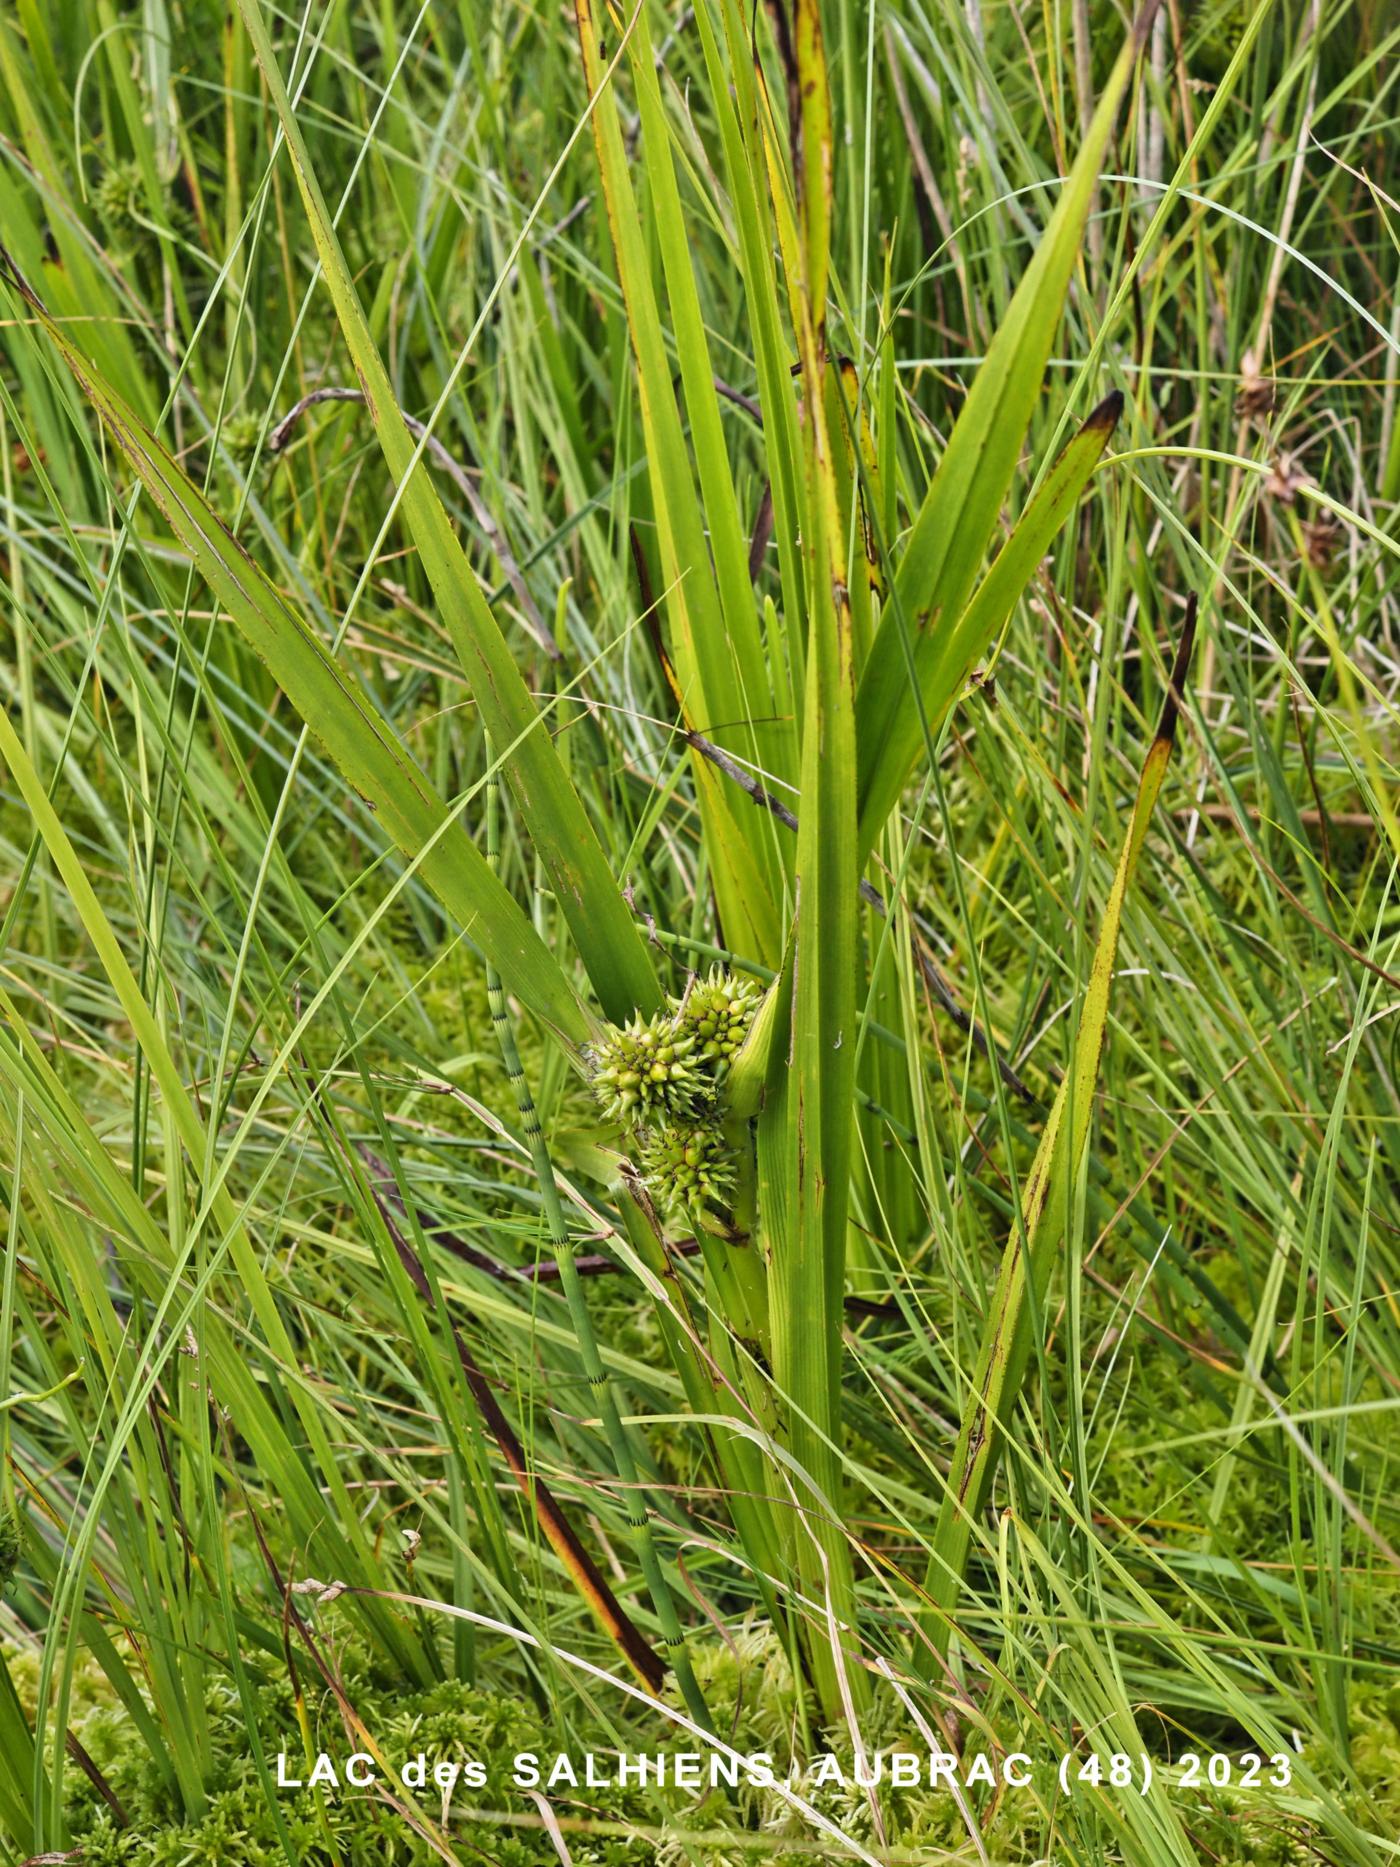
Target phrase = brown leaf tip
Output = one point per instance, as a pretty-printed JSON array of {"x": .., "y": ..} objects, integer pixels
[
  {"x": 1104, "y": 418},
  {"x": 1171, "y": 706}
]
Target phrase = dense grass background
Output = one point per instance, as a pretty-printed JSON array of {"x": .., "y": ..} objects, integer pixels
[{"x": 222, "y": 1381}]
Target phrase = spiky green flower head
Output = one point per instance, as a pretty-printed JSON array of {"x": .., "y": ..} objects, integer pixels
[
  {"x": 718, "y": 1011},
  {"x": 646, "y": 1069},
  {"x": 125, "y": 210},
  {"x": 240, "y": 435},
  {"x": 687, "y": 1167},
  {"x": 11, "y": 1546},
  {"x": 120, "y": 198}
]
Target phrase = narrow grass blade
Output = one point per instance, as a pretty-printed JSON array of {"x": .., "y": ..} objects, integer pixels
[
  {"x": 338, "y": 1531},
  {"x": 608, "y": 939},
  {"x": 943, "y": 658},
  {"x": 733, "y": 98},
  {"x": 1045, "y": 1208},
  {"x": 363, "y": 746},
  {"x": 563, "y": 1539},
  {"x": 561, "y": 1240},
  {"x": 715, "y": 642},
  {"x": 955, "y": 523}
]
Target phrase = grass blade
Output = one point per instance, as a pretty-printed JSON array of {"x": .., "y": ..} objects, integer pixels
[
  {"x": 944, "y": 550},
  {"x": 715, "y": 643},
  {"x": 608, "y": 940},
  {"x": 1045, "y": 1206},
  {"x": 563, "y": 1539},
  {"x": 600, "y": 1387},
  {"x": 943, "y": 658},
  {"x": 329, "y": 699}
]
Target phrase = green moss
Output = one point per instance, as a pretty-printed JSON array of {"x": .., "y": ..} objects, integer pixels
[
  {"x": 448, "y": 1722},
  {"x": 1374, "y": 1724}
]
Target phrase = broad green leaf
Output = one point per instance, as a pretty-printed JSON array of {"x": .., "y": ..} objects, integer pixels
[
  {"x": 943, "y": 658},
  {"x": 329, "y": 699},
  {"x": 732, "y": 98},
  {"x": 1046, "y": 1199},
  {"x": 806, "y": 1129},
  {"x": 945, "y": 547},
  {"x": 811, "y": 100},
  {"x": 715, "y": 642},
  {"x": 609, "y": 941}
]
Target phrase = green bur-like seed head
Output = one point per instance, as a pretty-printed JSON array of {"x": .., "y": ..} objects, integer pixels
[
  {"x": 717, "y": 1012},
  {"x": 124, "y": 208},
  {"x": 688, "y": 1167},
  {"x": 11, "y": 1546},
  {"x": 646, "y": 1068},
  {"x": 120, "y": 197},
  {"x": 240, "y": 436}
]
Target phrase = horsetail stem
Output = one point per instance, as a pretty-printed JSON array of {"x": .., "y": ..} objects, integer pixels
[{"x": 561, "y": 1243}]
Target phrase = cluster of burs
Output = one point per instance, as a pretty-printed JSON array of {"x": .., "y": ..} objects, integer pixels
[{"x": 663, "y": 1078}]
